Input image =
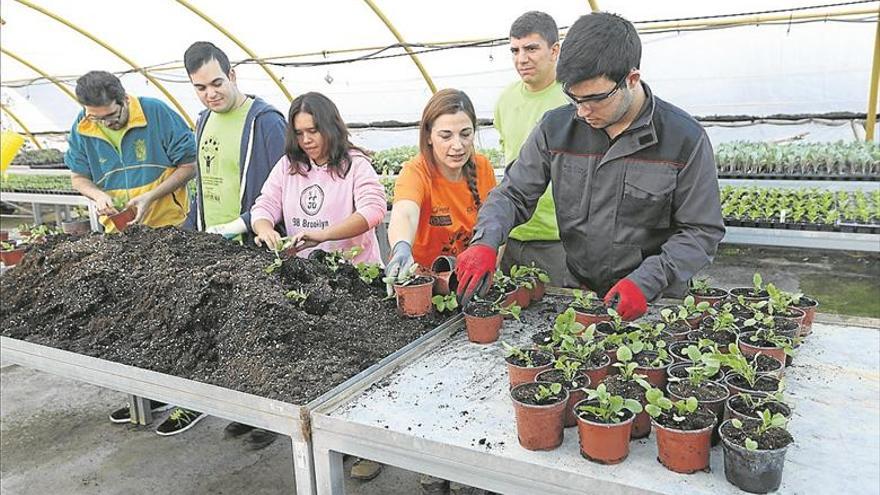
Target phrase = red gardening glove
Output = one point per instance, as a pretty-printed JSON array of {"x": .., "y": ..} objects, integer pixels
[
  {"x": 631, "y": 303},
  {"x": 474, "y": 268}
]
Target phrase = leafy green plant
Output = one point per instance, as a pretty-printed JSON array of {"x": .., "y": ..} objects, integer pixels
[
  {"x": 7, "y": 246},
  {"x": 659, "y": 404},
  {"x": 284, "y": 244},
  {"x": 546, "y": 393},
  {"x": 569, "y": 367},
  {"x": 517, "y": 353},
  {"x": 404, "y": 278},
  {"x": 566, "y": 324},
  {"x": 767, "y": 421},
  {"x": 445, "y": 303},
  {"x": 513, "y": 310},
  {"x": 120, "y": 202},
  {"x": 522, "y": 276},
  {"x": 368, "y": 272},
  {"x": 297, "y": 297},
  {"x": 700, "y": 285},
  {"x": 584, "y": 300},
  {"x": 609, "y": 408}
]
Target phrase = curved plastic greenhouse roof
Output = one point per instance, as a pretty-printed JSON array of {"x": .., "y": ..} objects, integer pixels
[{"x": 795, "y": 66}]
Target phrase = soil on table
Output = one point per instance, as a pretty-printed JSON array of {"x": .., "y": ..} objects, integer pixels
[
  {"x": 526, "y": 395},
  {"x": 699, "y": 419},
  {"x": 197, "y": 306},
  {"x": 773, "y": 438},
  {"x": 738, "y": 404},
  {"x": 704, "y": 392}
]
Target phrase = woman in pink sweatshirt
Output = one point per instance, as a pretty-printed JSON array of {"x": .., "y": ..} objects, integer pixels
[{"x": 324, "y": 187}]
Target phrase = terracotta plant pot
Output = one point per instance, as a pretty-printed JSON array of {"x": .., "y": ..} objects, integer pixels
[
  {"x": 717, "y": 406},
  {"x": 522, "y": 296},
  {"x": 676, "y": 350},
  {"x": 442, "y": 270},
  {"x": 641, "y": 427},
  {"x": 735, "y": 402},
  {"x": 77, "y": 227},
  {"x": 441, "y": 283},
  {"x": 753, "y": 471},
  {"x": 538, "y": 427},
  {"x": 597, "y": 375},
  {"x": 122, "y": 219},
  {"x": 483, "y": 330},
  {"x": 415, "y": 299},
  {"x": 604, "y": 443},
  {"x": 750, "y": 350},
  {"x": 718, "y": 294},
  {"x": 748, "y": 294},
  {"x": 683, "y": 451},
  {"x": 808, "y": 306},
  {"x": 538, "y": 291},
  {"x": 575, "y": 394},
  {"x": 587, "y": 319},
  {"x": 4, "y": 235},
  {"x": 523, "y": 374},
  {"x": 13, "y": 257},
  {"x": 655, "y": 375},
  {"x": 763, "y": 384},
  {"x": 678, "y": 371}
]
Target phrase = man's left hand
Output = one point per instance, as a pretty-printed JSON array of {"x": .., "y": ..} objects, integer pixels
[
  {"x": 631, "y": 303},
  {"x": 141, "y": 204}
]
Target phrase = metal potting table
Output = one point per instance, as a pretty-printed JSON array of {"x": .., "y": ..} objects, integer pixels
[
  {"x": 445, "y": 411},
  {"x": 281, "y": 417}
]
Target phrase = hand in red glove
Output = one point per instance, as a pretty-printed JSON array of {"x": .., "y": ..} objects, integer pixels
[
  {"x": 474, "y": 268},
  {"x": 631, "y": 303}
]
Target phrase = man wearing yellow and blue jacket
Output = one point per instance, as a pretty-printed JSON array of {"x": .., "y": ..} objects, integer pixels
[{"x": 133, "y": 148}]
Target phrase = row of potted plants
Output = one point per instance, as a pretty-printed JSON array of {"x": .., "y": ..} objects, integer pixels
[
  {"x": 801, "y": 209},
  {"x": 40, "y": 184},
  {"x": 840, "y": 160},
  {"x": 716, "y": 382}
]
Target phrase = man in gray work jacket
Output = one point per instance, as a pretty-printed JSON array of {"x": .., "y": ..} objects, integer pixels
[{"x": 633, "y": 177}]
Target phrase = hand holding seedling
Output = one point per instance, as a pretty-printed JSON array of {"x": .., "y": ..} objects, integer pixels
[
  {"x": 269, "y": 237},
  {"x": 306, "y": 239},
  {"x": 398, "y": 264}
]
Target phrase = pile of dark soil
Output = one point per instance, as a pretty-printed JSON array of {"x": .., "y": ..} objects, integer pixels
[{"x": 197, "y": 306}]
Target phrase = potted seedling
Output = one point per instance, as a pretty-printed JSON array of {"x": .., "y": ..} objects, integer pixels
[
  {"x": 124, "y": 215},
  {"x": 595, "y": 361},
  {"x": 765, "y": 341},
  {"x": 605, "y": 425},
  {"x": 503, "y": 284},
  {"x": 568, "y": 373},
  {"x": 689, "y": 312},
  {"x": 541, "y": 279},
  {"x": 630, "y": 385},
  {"x": 11, "y": 253},
  {"x": 719, "y": 328},
  {"x": 744, "y": 406},
  {"x": 564, "y": 326},
  {"x": 588, "y": 307},
  {"x": 540, "y": 411},
  {"x": 699, "y": 383},
  {"x": 652, "y": 360},
  {"x": 522, "y": 278},
  {"x": 780, "y": 305},
  {"x": 483, "y": 319},
  {"x": 684, "y": 432},
  {"x": 744, "y": 375},
  {"x": 754, "y": 293},
  {"x": 524, "y": 365},
  {"x": 413, "y": 292},
  {"x": 809, "y": 306},
  {"x": 754, "y": 451},
  {"x": 695, "y": 352},
  {"x": 79, "y": 224},
  {"x": 701, "y": 290}
]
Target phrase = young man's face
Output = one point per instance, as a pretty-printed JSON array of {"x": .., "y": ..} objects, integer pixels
[
  {"x": 608, "y": 100},
  {"x": 534, "y": 59},
  {"x": 112, "y": 115},
  {"x": 217, "y": 91}
]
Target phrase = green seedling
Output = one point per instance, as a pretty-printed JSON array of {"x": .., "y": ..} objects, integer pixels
[
  {"x": 627, "y": 367},
  {"x": 545, "y": 394},
  {"x": 700, "y": 285},
  {"x": 757, "y": 283},
  {"x": 584, "y": 300},
  {"x": 570, "y": 368},
  {"x": 517, "y": 353},
  {"x": 768, "y": 420},
  {"x": 7, "y": 246},
  {"x": 659, "y": 404},
  {"x": 284, "y": 244},
  {"x": 522, "y": 276},
  {"x": 368, "y": 272},
  {"x": 120, "y": 202},
  {"x": 609, "y": 408},
  {"x": 404, "y": 278},
  {"x": 581, "y": 350},
  {"x": 297, "y": 297},
  {"x": 565, "y": 325},
  {"x": 445, "y": 303}
]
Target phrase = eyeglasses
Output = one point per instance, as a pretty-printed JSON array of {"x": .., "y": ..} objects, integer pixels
[
  {"x": 594, "y": 99},
  {"x": 111, "y": 118}
]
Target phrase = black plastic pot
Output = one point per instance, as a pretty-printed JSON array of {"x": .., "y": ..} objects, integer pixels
[{"x": 753, "y": 471}]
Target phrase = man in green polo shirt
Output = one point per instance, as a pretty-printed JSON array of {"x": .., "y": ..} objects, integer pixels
[{"x": 534, "y": 45}]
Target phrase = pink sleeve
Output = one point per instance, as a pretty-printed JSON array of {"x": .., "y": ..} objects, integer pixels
[
  {"x": 268, "y": 205},
  {"x": 369, "y": 195}
]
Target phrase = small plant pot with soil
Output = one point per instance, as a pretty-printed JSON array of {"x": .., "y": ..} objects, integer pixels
[
  {"x": 442, "y": 269},
  {"x": 538, "y": 290},
  {"x": 678, "y": 371},
  {"x": 708, "y": 294},
  {"x": 749, "y": 294},
  {"x": 540, "y": 412},
  {"x": 711, "y": 395},
  {"x": 754, "y": 462},
  {"x": 809, "y": 306},
  {"x": 414, "y": 298},
  {"x": 483, "y": 325},
  {"x": 589, "y": 309},
  {"x": 736, "y": 384},
  {"x": 10, "y": 254},
  {"x": 605, "y": 426},
  {"x": 80, "y": 226},
  {"x": 683, "y": 438},
  {"x": 524, "y": 365},
  {"x": 751, "y": 344},
  {"x": 721, "y": 337},
  {"x": 653, "y": 367},
  {"x": 749, "y": 406},
  {"x": 575, "y": 389},
  {"x": 597, "y": 368},
  {"x": 676, "y": 350},
  {"x": 630, "y": 389},
  {"x": 122, "y": 219}
]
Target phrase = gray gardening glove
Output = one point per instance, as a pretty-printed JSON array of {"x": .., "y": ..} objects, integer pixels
[{"x": 399, "y": 263}]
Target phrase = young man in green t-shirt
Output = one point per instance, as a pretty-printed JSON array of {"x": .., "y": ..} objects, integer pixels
[
  {"x": 534, "y": 45},
  {"x": 240, "y": 138}
]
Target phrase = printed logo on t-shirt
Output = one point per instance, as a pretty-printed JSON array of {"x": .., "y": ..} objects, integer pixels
[
  {"x": 210, "y": 150},
  {"x": 312, "y": 199},
  {"x": 140, "y": 150},
  {"x": 457, "y": 240},
  {"x": 440, "y": 220}
]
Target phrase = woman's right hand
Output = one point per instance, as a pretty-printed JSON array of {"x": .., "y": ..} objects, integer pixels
[{"x": 269, "y": 237}]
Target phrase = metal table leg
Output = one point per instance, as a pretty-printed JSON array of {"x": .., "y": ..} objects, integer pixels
[
  {"x": 139, "y": 408},
  {"x": 328, "y": 470},
  {"x": 303, "y": 467}
]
